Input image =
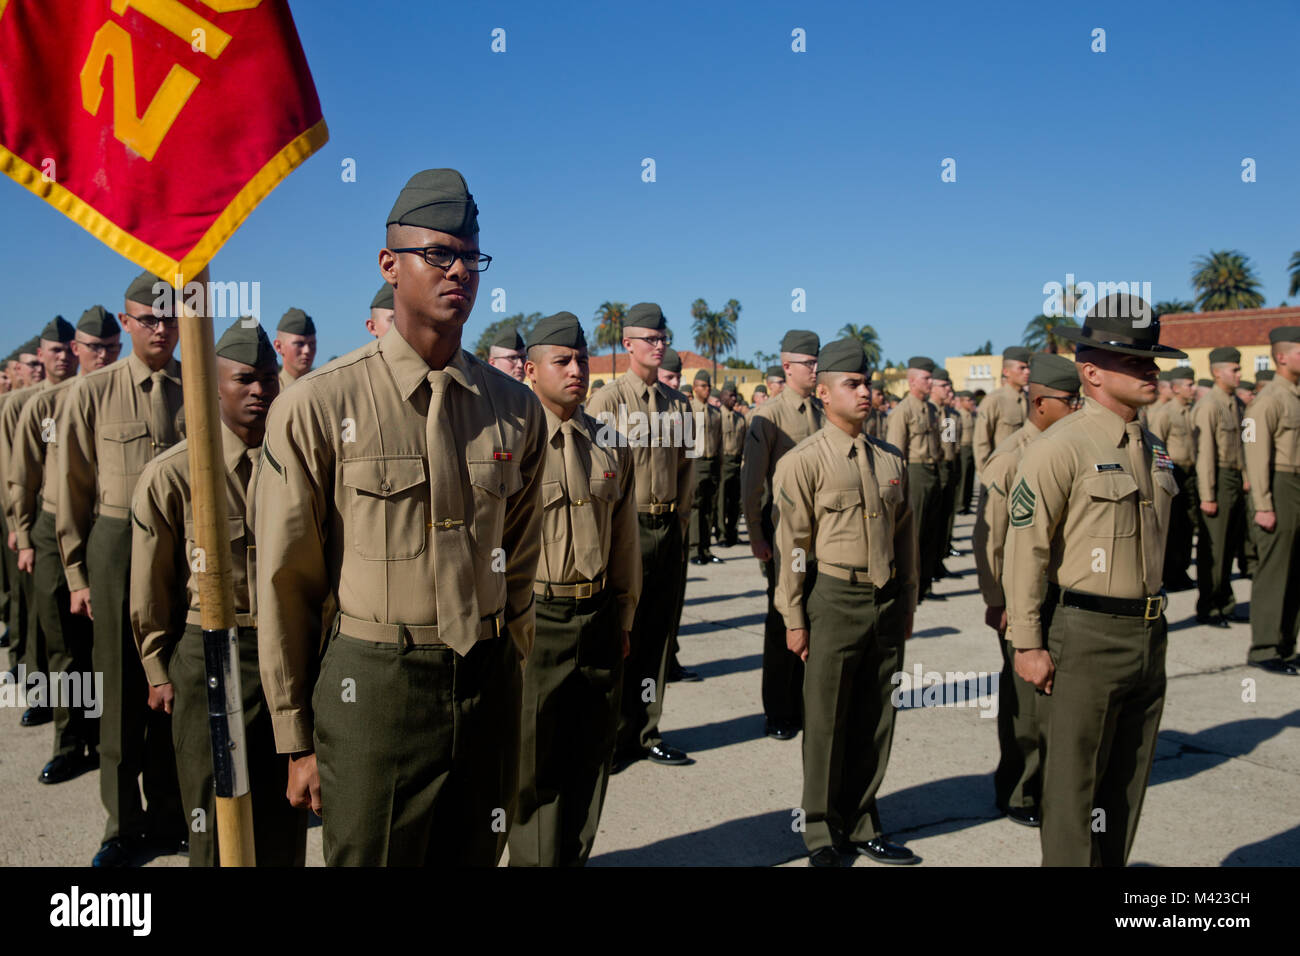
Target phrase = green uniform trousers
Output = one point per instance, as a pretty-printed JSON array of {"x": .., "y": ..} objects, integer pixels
[
  {"x": 1275, "y": 594},
  {"x": 20, "y": 618},
  {"x": 923, "y": 495},
  {"x": 1247, "y": 552},
  {"x": 69, "y": 642},
  {"x": 134, "y": 741},
  {"x": 704, "y": 504},
  {"x": 783, "y": 672},
  {"x": 279, "y": 830},
  {"x": 728, "y": 515},
  {"x": 4, "y": 582},
  {"x": 1018, "y": 779},
  {"x": 572, "y": 683},
  {"x": 966, "y": 490},
  {"x": 1099, "y": 730},
  {"x": 1183, "y": 511},
  {"x": 418, "y": 752},
  {"x": 1220, "y": 537},
  {"x": 948, "y": 489},
  {"x": 855, "y": 647},
  {"x": 642, "y": 698}
]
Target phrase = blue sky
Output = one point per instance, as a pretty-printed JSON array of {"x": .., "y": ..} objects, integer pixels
[{"x": 775, "y": 170}]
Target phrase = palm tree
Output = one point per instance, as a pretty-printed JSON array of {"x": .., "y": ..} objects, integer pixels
[
  {"x": 866, "y": 335},
  {"x": 1040, "y": 333},
  {"x": 609, "y": 330},
  {"x": 1295, "y": 274},
  {"x": 1172, "y": 307},
  {"x": 1225, "y": 280},
  {"x": 715, "y": 332}
]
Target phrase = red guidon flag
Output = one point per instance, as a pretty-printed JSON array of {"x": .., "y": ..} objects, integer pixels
[{"x": 157, "y": 125}]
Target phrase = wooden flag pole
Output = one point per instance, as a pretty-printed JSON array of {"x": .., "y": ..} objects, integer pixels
[{"x": 210, "y": 564}]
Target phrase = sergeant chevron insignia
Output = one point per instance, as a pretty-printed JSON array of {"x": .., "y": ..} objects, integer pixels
[{"x": 1022, "y": 505}]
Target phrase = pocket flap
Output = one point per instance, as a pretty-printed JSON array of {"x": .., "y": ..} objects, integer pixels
[
  {"x": 552, "y": 492},
  {"x": 383, "y": 477},
  {"x": 1112, "y": 486},
  {"x": 1166, "y": 481},
  {"x": 839, "y": 500},
  {"x": 606, "y": 489},
  {"x": 123, "y": 431}
]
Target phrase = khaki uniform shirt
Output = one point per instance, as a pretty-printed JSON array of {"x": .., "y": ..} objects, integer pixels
[
  {"x": 10, "y": 412},
  {"x": 949, "y": 432},
  {"x": 733, "y": 433},
  {"x": 967, "y": 428},
  {"x": 1276, "y": 412},
  {"x": 1002, "y": 412},
  {"x": 875, "y": 423},
  {"x": 614, "y": 405},
  {"x": 777, "y": 426},
  {"x": 343, "y": 501},
  {"x": 33, "y": 461},
  {"x": 1172, "y": 424},
  {"x": 612, "y": 487},
  {"x": 164, "y": 591},
  {"x": 992, "y": 516},
  {"x": 836, "y": 515},
  {"x": 712, "y": 443},
  {"x": 1078, "y": 518},
  {"x": 913, "y": 428},
  {"x": 1216, "y": 420},
  {"x": 105, "y": 438},
  {"x": 286, "y": 379}
]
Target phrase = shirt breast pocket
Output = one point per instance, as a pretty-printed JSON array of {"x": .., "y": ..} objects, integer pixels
[
  {"x": 493, "y": 482},
  {"x": 388, "y": 506},
  {"x": 842, "y": 520},
  {"x": 126, "y": 448},
  {"x": 554, "y": 511},
  {"x": 1113, "y": 505},
  {"x": 1165, "y": 481}
]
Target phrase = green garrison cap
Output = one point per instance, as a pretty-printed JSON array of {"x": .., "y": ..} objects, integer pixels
[
  {"x": 562, "y": 328},
  {"x": 1162, "y": 377},
  {"x": 921, "y": 362},
  {"x": 729, "y": 386},
  {"x": 842, "y": 355},
  {"x": 1016, "y": 353},
  {"x": 1183, "y": 373},
  {"x": 246, "y": 343},
  {"x": 383, "y": 298},
  {"x": 437, "y": 199},
  {"x": 801, "y": 342},
  {"x": 1247, "y": 384},
  {"x": 964, "y": 393},
  {"x": 141, "y": 289},
  {"x": 1121, "y": 323},
  {"x": 759, "y": 388},
  {"x": 1284, "y": 333},
  {"x": 1263, "y": 375},
  {"x": 941, "y": 374},
  {"x": 703, "y": 376},
  {"x": 598, "y": 383},
  {"x": 30, "y": 346},
  {"x": 1225, "y": 353},
  {"x": 296, "y": 322},
  {"x": 1054, "y": 371},
  {"x": 509, "y": 338},
  {"x": 645, "y": 315},
  {"x": 99, "y": 322},
  {"x": 672, "y": 362},
  {"x": 1205, "y": 382},
  {"x": 58, "y": 329},
  {"x": 775, "y": 371}
]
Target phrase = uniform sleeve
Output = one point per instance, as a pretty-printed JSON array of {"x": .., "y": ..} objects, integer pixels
[
  {"x": 76, "y": 491},
  {"x": 759, "y": 438},
  {"x": 792, "y": 496},
  {"x": 990, "y": 534},
  {"x": 1038, "y": 498},
  {"x": 1161, "y": 422},
  {"x": 23, "y": 473},
  {"x": 521, "y": 534},
  {"x": 685, "y": 481},
  {"x": 157, "y": 546},
  {"x": 907, "y": 560},
  {"x": 896, "y": 430},
  {"x": 624, "y": 565},
  {"x": 986, "y": 421},
  {"x": 293, "y": 487},
  {"x": 1259, "y": 453},
  {"x": 1207, "y": 461}
]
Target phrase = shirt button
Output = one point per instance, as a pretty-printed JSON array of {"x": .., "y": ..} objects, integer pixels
[{"x": 385, "y": 486}]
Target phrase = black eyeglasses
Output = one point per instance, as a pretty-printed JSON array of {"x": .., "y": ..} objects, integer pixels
[
  {"x": 811, "y": 363},
  {"x": 440, "y": 257},
  {"x": 151, "y": 322},
  {"x": 652, "y": 339},
  {"x": 99, "y": 349},
  {"x": 1074, "y": 401}
]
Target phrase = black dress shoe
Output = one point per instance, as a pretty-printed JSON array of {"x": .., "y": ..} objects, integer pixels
[
  {"x": 676, "y": 672},
  {"x": 35, "y": 716},
  {"x": 699, "y": 561},
  {"x": 940, "y": 572},
  {"x": 668, "y": 756},
  {"x": 1025, "y": 816},
  {"x": 113, "y": 853},
  {"x": 66, "y": 766},
  {"x": 882, "y": 851},
  {"x": 954, "y": 553},
  {"x": 1213, "y": 620},
  {"x": 731, "y": 542},
  {"x": 824, "y": 856},
  {"x": 779, "y": 731},
  {"x": 1235, "y": 618},
  {"x": 1276, "y": 665},
  {"x": 623, "y": 760}
]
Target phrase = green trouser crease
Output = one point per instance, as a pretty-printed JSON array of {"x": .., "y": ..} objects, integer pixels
[
  {"x": 855, "y": 647},
  {"x": 679, "y": 602},
  {"x": 1247, "y": 552},
  {"x": 1182, "y": 524},
  {"x": 20, "y": 617},
  {"x": 69, "y": 642},
  {"x": 5, "y": 600},
  {"x": 966, "y": 468},
  {"x": 1275, "y": 592},
  {"x": 923, "y": 496},
  {"x": 652, "y": 631},
  {"x": 572, "y": 683},
  {"x": 783, "y": 672},
  {"x": 279, "y": 831},
  {"x": 703, "y": 504},
  {"x": 948, "y": 503},
  {"x": 728, "y": 515},
  {"x": 1099, "y": 730},
  {"x": 1219, "y": 539},
  {"x": 134, "y": 741},
  {"x": 418, "y": 752},
  {"x": 1018, "y": 779}
]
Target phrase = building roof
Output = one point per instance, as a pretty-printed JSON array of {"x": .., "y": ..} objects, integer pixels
[
  {"x": 599, "y": 365},
  {"x": 1197, "y": 330}
]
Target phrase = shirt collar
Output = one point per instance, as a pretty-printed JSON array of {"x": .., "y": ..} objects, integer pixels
[
  {"x": 232, "y": 448},
  {"x": 141, "y": 373},
  {"x": 410, "y": 371},
  {"x": 554, "y": 425},
  {"x": 839, "y": 440},
  {"x": 1112, "y": 427}
]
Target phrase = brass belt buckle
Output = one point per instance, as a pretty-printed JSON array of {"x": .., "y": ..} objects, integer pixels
[
  {"x": 583, "y": 590},
  {"x": 1155, "y": 602}
]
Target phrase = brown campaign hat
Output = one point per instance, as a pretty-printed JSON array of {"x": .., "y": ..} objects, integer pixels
[{"x": 1121, "y": 323}]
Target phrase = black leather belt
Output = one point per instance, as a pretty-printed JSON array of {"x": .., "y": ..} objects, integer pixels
[{"x": 1147, "y": 608}]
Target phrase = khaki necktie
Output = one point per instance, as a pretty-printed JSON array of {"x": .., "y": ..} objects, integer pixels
[
  {"x": 878, "y": 566},
  {"x": 161, "y": 425},
  {"x": 1146, "y": 507},
  {"x": 662, "y": 488},
  {"x": 457, "y": 600},
  {"x": 585, "y": 535}
]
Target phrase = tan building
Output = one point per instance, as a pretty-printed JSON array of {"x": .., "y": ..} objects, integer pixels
[{"x": 746, "y": 379}]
